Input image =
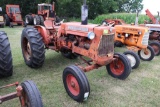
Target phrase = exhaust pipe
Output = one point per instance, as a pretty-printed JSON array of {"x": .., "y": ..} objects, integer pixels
[{"x": 84, "y": 13}]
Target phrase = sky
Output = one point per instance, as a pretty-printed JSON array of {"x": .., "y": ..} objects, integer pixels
[{"x": 152, "y": 5}]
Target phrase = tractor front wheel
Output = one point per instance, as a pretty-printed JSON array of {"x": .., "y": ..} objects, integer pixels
[
  {"x": 146, "y": 54},
  {"x": 32, "y": 47},
  {"x": 133, "y": 58},
  {"x": 31, "y": 96},
  {"x": 6, "y": 67},
  {"x": 36, "y": 20},
  {"x": 120, "y": 67},
  {"x": 76, "y": 83},
  {"x": 156, "y": 46}
]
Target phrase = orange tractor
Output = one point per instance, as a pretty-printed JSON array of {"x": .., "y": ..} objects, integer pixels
[
  {"x": 38, "y": 19},
  {"x": 27, "y": 92},
  {"x": 13, "y": 15},
  {"x": 134, "y": 37},
  {"x": 75, "y": 39}
]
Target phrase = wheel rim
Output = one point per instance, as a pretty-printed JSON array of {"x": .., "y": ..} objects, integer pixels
[
  {"x": 25, "y": 100},
  {"x": 73, "y": 85},
  {"x": 27, "y": 20},
  {"x": 117, "y": 67},
  {"x": 131, "y": 59},
  {"x": 26, "y": 49},
  {"x": 156, "y": 48},
  {"x": 145, "y": 54},
  {"x": 35, "y": 22}
]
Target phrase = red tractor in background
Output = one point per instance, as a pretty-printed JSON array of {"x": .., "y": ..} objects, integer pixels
[
  {"x": 13, "y": 15},
  {"x": 38, "y": 19},
  {"x": 152, "y": 18},
  {"x": 75, "y": 39}
]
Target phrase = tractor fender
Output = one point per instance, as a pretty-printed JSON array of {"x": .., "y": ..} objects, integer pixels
[{"x": 43, "y": 31}]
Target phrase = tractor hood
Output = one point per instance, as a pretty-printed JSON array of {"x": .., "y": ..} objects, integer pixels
[
  {"x": 155, "y": 27},
  {"x": 132, "y": 29},
  {"x": 76, "y": 28}
]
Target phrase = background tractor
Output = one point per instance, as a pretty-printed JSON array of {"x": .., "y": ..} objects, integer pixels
[
  {"x": 38, "y": 19},
  {"x": 136, "y": 39},
  {"x": 27, "y": 92},
  {"x": 13, "y": 15},
  {"x": 73, "y": 39},
  {"x": 1, "y": 18},
  {"x": 6, "y": 67}
]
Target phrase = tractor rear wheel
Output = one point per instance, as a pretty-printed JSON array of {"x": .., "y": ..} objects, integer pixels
[
  {"x": 31, "y": 95},
  {"x": 120, "y": 67},
  {"x": 156, "y": 46},
  {"x": 76, "y": 83},
  {"x": 41, "y": 20},
  {"x": 32, "y": 47},
  {"x": 68, "y": 54},
  {"x": 6, "y": 20},
  {"x": 146, "y": 54},
  {"x": 6, "y": 67},
  {"x": 29, "y": 19},
  {"x": 133, "y": 58},
  {"x": 36, "y": 20}
]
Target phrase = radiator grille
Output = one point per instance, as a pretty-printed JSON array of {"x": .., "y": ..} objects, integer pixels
[
  {"x": 106, "y": 45},
  {"x": 145, "y": 38},
  {"x": 18, "y": 18}
]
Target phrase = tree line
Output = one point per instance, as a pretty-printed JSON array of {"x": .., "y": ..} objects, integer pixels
[{"x": 72, "y": 8}]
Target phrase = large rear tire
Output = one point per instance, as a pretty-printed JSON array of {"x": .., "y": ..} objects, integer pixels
[
  {"x": 76, "y": 83},
  {"x": 41, "y": 20},
  {"x": 146, "y": 56},
  {"x": 156, "y": 47},
  {"x": 119, "y": 68},
  {"x": 29, "y": 19},
  {"x": 6, "y": 67},
  {"x": 32, "y": 48},
  {"x": 36, "y": 20},
  {"x": 133, "y": 58},
  {"x": 6, "y": 20},
  {"x": 31, "y": 94}
]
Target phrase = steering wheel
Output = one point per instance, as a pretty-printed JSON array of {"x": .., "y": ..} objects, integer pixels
[{"x": 110, "y": 23}]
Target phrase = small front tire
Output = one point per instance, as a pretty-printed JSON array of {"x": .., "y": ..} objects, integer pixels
[
  {"x": 120, "y": 67},
  {"x": 31, "y": 94},
  {"x": 146, "y": 54},
  {"x": 133, "y": 58},
  {"x": 76, "y": 83}
]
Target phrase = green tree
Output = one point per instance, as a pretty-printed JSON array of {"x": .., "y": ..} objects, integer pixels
[{"x": 133, "y": 6}]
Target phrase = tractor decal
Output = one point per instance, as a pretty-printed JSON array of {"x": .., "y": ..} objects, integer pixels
[{"x": 77, "y": 28}]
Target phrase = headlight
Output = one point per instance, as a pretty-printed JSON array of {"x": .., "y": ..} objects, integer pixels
[
  {"x": 90, "y": 35},
  {"x": 139, "y": 32},
  {"x": 126, "y": 35}
]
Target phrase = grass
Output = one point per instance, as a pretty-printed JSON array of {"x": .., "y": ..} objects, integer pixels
[{"x": 140, "y": 89}]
